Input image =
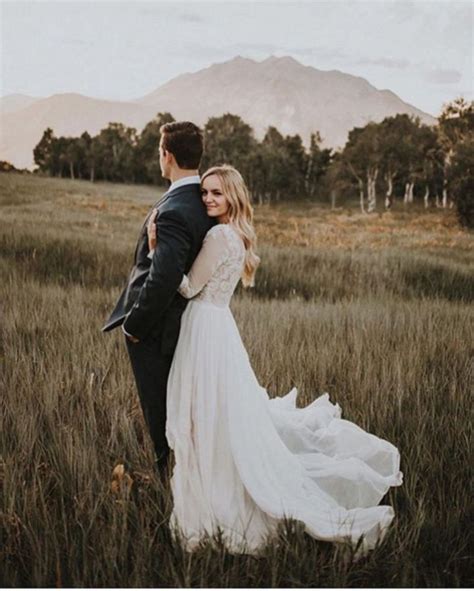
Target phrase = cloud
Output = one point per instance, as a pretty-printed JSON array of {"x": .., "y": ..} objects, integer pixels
[
  {"x": 222, "y": 52},
  {"x": 265, "y": 48},
  {"x": 441, "y": 76},
  {"x": 385, "y": 62},
  {"x": 159, "y": 11},
  {"x": 190, "y": 17},
  {"x": 320, "y": 51},
  {"x": 74, "y": 41},
  {"x": 401, "y": 12}
]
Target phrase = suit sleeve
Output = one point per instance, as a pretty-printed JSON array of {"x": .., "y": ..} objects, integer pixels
[{"x": 165, "y": 274}]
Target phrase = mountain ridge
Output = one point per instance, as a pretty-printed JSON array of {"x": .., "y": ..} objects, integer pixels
[{"x": 278, "y": 91}]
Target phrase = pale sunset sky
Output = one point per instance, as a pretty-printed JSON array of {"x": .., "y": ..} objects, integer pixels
[{"x": 421, "y": 50}]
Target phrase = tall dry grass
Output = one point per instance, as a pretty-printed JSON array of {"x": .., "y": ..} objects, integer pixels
[{"x": 386, "y": 331}]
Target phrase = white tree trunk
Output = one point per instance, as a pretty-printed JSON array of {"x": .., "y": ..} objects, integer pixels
[
  {"x": 371, "y": 191},
  {"x": 389, "y": 192},
  {"x": 361, "y": 196},
  {"x": 445, "y": 196},
  {"x": 405, "y": 196},
  {"x": 426, "y": 197},
  {"x": 360, "y": 183},
  {"x": 410, "y": 192},
  {"x": 371, "y": 199},
  {"x": 447, "y": 164}
]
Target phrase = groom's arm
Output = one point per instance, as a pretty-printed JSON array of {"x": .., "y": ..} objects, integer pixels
[{"x": 165, "y": 274}]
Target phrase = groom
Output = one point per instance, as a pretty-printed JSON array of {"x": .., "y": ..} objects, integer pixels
[{"x": 150, "y": 308}]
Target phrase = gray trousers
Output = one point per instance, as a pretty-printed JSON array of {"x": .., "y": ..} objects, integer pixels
[{"x": 151, "y": 369}]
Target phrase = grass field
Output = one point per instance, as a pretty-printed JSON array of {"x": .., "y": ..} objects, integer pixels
[{"x": 375, "y": 310}]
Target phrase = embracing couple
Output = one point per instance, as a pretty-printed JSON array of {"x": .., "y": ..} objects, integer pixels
[{"x": 243, "y": 461}]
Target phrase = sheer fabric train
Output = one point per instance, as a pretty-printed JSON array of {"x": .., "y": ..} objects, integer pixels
[{"x": 244, "y": 461}]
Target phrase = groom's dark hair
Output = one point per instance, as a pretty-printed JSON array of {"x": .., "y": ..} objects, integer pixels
[{"x": 184, "y": 140}]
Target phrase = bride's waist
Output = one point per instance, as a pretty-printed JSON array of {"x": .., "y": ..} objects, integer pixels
[{"x": 209, "y": 304}]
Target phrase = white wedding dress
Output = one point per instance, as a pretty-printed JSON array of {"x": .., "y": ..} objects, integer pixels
[{"x": 245, "y": 461}]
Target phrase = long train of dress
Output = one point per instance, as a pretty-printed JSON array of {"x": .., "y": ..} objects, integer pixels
[{"x": 245, "y": 461}]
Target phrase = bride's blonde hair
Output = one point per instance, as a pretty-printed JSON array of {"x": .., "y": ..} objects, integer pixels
[{"x": 240, "y": 215}]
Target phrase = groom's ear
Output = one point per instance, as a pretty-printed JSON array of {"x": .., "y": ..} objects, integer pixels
[{"x": 169, "y": 157}]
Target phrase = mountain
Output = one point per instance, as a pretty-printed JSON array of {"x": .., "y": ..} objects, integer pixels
[
  {"x": 280, "y": 92},
  {"x": 68, "y": 115},
  {"x": 277, "y": 91},
  {"x": 15, "y": 102}
]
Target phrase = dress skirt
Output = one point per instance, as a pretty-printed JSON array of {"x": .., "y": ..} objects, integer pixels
[{"x": 244, "y": 461}]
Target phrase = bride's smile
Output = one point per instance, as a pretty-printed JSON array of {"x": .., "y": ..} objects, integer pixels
[{"x": 214, "y": 199}]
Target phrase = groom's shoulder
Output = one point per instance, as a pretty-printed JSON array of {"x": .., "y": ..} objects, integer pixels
[
  {"x": 186, "y": 202},
  {"x": 191, "y": 190},
  {"x": 189, "y": 195}
]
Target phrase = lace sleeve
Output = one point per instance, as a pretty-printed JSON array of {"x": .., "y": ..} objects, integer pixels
[{"x": 213, "y": 252}]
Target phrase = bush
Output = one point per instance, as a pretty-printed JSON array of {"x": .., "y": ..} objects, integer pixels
[{"x": 7, "y": 167}]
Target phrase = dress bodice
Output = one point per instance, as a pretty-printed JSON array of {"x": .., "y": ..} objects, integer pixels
[{"x": 218, "y": 267}]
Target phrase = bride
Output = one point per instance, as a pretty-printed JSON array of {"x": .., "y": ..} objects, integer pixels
[{"x": 243, "y": 461}]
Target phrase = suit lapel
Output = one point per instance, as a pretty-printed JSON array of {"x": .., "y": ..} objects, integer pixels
[
  {"x": 156, "y": 205},
  {"x": 145, "y": 222}
]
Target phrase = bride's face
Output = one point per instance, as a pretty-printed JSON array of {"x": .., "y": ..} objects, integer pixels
[{"x": 214, "y": 198}]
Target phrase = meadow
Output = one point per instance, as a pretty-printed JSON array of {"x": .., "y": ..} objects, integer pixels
[{"x": 375, "y": 310}]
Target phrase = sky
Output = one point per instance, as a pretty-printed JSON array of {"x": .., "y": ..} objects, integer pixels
[{"x": 422, "y": 50}]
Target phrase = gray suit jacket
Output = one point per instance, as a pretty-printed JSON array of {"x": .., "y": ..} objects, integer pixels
[{"x": 150, "y": 306}]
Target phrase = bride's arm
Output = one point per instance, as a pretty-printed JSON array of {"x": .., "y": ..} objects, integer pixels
[{"x": 210, "y": 256}]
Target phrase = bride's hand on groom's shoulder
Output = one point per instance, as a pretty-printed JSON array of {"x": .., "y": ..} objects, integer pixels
[{"x": 151, "y": 230}]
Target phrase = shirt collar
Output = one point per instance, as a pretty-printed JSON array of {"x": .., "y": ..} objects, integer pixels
[{"x": 187, "y": 180}]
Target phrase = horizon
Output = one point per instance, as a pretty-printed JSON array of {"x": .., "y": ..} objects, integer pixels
[{"x": 108, "y": 49}]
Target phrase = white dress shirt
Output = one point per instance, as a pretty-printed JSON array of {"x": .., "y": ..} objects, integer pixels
[{"x": 186, "y": 180}]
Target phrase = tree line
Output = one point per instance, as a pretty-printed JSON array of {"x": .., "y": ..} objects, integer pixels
[{"x": 398, "y": 158}]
